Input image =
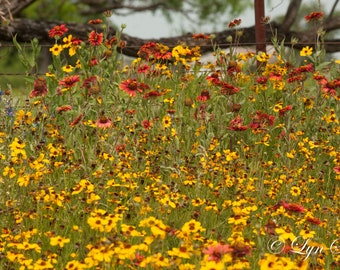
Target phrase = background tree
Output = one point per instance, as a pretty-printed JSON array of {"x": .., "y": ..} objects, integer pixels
[{"x": 33, "y": 18}]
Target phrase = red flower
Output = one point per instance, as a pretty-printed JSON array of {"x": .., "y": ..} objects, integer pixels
[
  {"x": 216, "y": 252},
  {"x": 57, "y": 31},
  {"x": 153, "y": 51},
  {"x": 314, "y": 220},
  {"x": 200, "y": 36},
  {"x": 283, "y": 111},
  {"x": 132, "y": 86},
  {"x": 146, "y": 124},
  {"x": 64, "y": 108},
  {"x": 237, "y": 124},
  {"x": 234, "y": 23},
  {"x": 294, "y": 207},
  {"x": 153, "y": 93},
  {"x": 69, "y": 81},
  {"x": 95, "y": 38},
  {"x": 262, "y": 80},
  {"x": 40, "y": 88},
  {"x": 214, "y": 78},
  {"x": 143, "y": 68},
  {"x": 261, "y": 120},
  {"x": 77, "y": 120},
  {"x": 314, "y": 16},
  {"x": 96, "y": 21},
  {"x": 228, "y": 89},
  {"x": 205, "y": 95}
]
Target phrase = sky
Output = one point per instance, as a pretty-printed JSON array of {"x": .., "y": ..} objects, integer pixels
[{"x": 149, "y": 25}]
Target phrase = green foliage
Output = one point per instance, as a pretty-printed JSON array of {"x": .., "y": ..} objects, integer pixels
[{"x": 169, "y": 163}]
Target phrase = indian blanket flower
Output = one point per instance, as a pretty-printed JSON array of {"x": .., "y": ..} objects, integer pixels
[
  {"x": 103, "y": 122},
  {"x": 237, "y": 124},
  {"x": 204, "y": 96},
  {"x": 234, "y": 23},
  {"x": 64, "y": 108},
  {"x": 95, "y": 21},
  {"x": 153, "y": 51},
  {"x": 77, "y": 120},
  {"x": 314, "y": 16},
  {"x": 95, "y": 38},
  {"x": 132, "y": 87},
  {"x": 146, "y": 124},
  {"x": 261, "y": 120},
  {"x": 200, "y": 36},
  {"x": 306, "y": 51},
  {"x": 216, "y": 252},
  {"x": 228, "y": 89},
  {"x": 293, "y": 207},
  {"x": 39, "y": 88},
  {"x": 57, "y": 31},
  {"x": 69, "y": 81}
]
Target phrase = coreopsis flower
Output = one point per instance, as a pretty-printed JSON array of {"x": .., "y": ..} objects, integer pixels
[
  {"x": 59, "y": 241},
  {"x": 314, "y": 16},
  {"x": 306, "y": 51},
  {"x": 40, "y": 88},
  {"x": 73, "y": 44},
  {"x": 95, "y": 38},
  {"x": 56, "y": 49},
  {"x": 68, "y": 68},
  {"x": 57, "y": 31},
  {"x": 166, "y": 121},
  {"x": 132, "y": 87}
]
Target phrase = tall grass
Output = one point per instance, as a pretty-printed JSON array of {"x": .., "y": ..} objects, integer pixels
[{"x": 171, "y": 163}]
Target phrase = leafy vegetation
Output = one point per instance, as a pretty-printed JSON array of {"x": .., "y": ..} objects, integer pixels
[{"x": 171, "y": 163}]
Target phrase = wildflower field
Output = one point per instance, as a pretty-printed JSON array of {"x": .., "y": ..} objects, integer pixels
[{"x": 170, "y": 163}]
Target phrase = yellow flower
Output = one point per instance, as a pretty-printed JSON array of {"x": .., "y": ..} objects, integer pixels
[
  {"x": 56, "y": 49},
  {"x": 306, "y": 51},
  {"x": 67, "y": 68},
  {"x": 166, "y": 121},
  {"x": 59, "y": 241},
  {"x": 295, "y": 191}
]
